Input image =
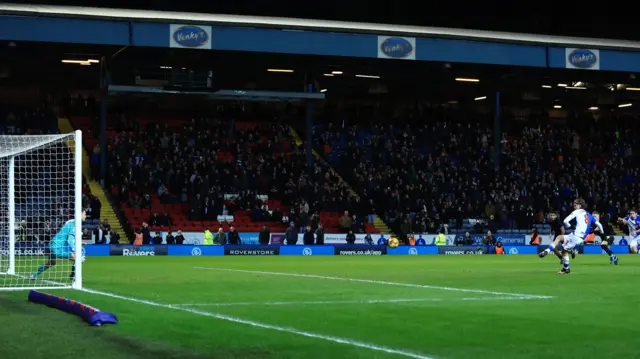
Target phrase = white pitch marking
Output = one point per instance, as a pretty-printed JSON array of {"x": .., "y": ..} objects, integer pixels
[
  {"x": 452, "y": 289},
  {"x": 266, "y": 326},
  {"x": 365, "y": 301}
]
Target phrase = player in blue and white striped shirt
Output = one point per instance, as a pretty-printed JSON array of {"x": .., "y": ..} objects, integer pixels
[
  {"x": 62, "y": 246},
  {"x": 584, "y": 221},
  {"x": 633, "y": 224}
]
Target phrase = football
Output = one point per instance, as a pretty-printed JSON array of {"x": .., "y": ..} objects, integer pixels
[{"x": 393, "y": 242}]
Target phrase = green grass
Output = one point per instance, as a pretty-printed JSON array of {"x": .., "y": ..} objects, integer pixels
[{"x": 592, "y": 314}]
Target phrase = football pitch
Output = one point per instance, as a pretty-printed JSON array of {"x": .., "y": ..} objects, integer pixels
[{"x": 423, "y": 307}]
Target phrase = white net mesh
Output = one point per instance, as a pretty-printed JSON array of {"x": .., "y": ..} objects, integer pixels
[{"x": 44, "y": 200}]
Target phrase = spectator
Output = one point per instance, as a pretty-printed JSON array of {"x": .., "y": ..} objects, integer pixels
[
  {"x": 221, "y": 238},
  {"x": 346, "y": 222},
  {"x": 291, "y": 234},
  {"x": 265, "y": 236},
  {"x": 179, "y": 237},
  {"x": 86, "y": 235},
  {"x": 234, "y": 237},
  {"x": 277, "y": 215},
  {"x": 494, "y": 224},
  {"x": 106, "y": 226},
  {"x": 135, "y": 202},
  {"x": 315, "y": 221},
  {"x": 169, "y": 238},
  {"x": 166, "y": 220},
  {"x": 87, "y": 209},
  {"x": 368, "y": 239},
  {"x": 490, "y": 239},
  {"x": 265, "y": 212},
  {"x": 146, "y": 202},
  {"x": 351, "y": 238},
  {"x": 97, "y": 234},
  {"x": 146, "y": 234},
  {"x": 114, "y": 237},
  {"x": 308, "y": 239},
  {"x": 256, "y": 213},
  {"x": 163, "y": 192},
  {"x": 320, "y": 234},
  {"x": 157, "y": 239},
  {"x": 95, "y": 207},
  {"x": 466, "y": 240},
  {"x": 155, "y": 221},
  {"x": 208, "y": 212},
  {"x": 196, "y": 208},
  {"x": 304, "y": 213},
  {"x": 531, "y": 216}
]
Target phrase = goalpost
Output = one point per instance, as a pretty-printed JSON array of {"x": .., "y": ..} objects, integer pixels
[{"x": 40, "y": 190}]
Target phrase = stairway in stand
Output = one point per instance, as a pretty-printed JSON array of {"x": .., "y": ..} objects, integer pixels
[
  {"x": 377, "y": 222},
  {"x": 106, "y": 211}
]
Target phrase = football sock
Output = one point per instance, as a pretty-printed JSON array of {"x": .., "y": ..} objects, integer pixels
[
  {"x": 73, "y": 272},
  {"x": 550, "y": 248},
  {"x": 40, "y": 270},
  {"x": 607, "y": 250},
  {"x": 566, "y": 262}
]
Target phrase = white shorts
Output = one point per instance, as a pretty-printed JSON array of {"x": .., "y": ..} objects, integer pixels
[
  {"x": 633, "y": 242},
  {"x": 571, "y": 241}
]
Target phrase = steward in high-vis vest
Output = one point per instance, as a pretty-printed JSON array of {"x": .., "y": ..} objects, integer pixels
[
  {"x": 22, "y": 231},
  {"x": 499, "y": 248},
  {"x": 138, "y": 238},
  {"x": 208, "y": 238},
  {"x": 535, "y": 238},
  {"x": 412, "y": 240},
  {"x": 440, "y": 240},
  {"x": 590, "y": 238}
]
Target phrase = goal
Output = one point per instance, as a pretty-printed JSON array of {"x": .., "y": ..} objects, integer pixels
[{"x": 40, "y": 191}]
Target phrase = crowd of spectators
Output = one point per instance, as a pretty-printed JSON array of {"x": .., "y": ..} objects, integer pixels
[
  {"x": 199, "y": 162},
  {"x": 422, "y": 173},
  {"x": 27, "y": 120},
  {"x": 418, "y": 169}
]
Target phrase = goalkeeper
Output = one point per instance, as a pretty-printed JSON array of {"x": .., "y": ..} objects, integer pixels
[{"x": 63, "y": 246}]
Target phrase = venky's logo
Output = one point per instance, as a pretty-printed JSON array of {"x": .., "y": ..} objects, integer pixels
[{"x": 191, "y": 36}]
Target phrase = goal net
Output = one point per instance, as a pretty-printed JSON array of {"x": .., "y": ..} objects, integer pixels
[{"x": 40, "y": 211}]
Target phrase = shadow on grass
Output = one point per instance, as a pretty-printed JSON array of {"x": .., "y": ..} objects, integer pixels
[{"x": 34, "y": 331}]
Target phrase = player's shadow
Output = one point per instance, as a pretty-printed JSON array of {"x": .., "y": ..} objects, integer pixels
[
  {"x": 15, "y": 306},
  {"x": 134, "y": 348},
  {"x": 108, "y": 340}
]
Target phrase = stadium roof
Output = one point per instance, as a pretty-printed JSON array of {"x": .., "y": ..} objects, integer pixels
[{"x": 324, "y": 25}]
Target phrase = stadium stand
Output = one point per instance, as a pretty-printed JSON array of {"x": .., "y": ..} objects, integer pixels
[
  {"x": 34, "y": 214},
  {"x": 210, "y": 173},
  {"x": 418, "y": 174},
  {"x": 423, "y": 173}
]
